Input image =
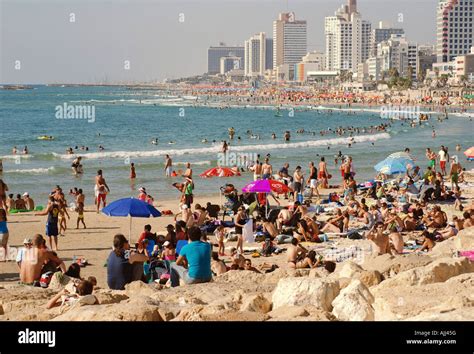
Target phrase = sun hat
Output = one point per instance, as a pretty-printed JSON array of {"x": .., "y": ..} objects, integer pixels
[
  {"x": 27, "y": 241},
  {"x": 26, "y": 194}
]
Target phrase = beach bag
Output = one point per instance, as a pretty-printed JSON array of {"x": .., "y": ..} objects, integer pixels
[
  {"x": 354, "y": 235},
  {"x": 46, "y": 279}
]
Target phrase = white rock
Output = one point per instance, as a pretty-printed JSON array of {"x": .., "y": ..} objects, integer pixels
[
  {"x": 350, "y": 269},
  {"x": 305, "y": 291},
  {"x": 354, "y": 303}
]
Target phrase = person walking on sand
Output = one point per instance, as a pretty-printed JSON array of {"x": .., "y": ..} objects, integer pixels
[
  {"x": 101, "y": 188},
  {"x": 323, "y": 173},
  {"x": 168, "y": 165},
  {"x": 454, "y": 172},
  {"x": 313, "y": 179},
  {"x": 443, "y": 158},
  {"x": 52, "y": 231}
]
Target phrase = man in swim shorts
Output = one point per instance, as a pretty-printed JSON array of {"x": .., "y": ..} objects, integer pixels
[{"x": 168, "y": 165}]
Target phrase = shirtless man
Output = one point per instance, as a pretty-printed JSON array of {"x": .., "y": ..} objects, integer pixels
[
  {"x": 294, "y": 250},
  {"x": 431, "y": 157},
  {"x": 448, "y": 232},
  {"x": 283, "y": 217},
  {"x": 379, "y": 239},
  {"x": 101, "y": 188},
  {"x": 189, "y": 171},
  {"x": 396, "y": 240},
  {"x": 19, "y": 203},
  {"x": 298, "y": 180},
  {"x": 454, "y": 172},
  {"x": 257, "y": 170},
  {"x": 267, "y": 170},
  {"x": 323, "y": 173},
  {"x": 34, "y": 259},
  {"x": 168, "y": 165}
]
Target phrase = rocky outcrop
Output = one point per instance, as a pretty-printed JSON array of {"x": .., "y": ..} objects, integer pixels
[
  {"x": 438, "y": 271},
  {"x": 256, "y": 303},
  {"x": 354, "y": 303},
  {"x": 350, "y": 270},
  {"x": 305, "y": 291}
]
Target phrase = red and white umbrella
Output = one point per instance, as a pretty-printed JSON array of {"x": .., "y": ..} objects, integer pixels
[{"x": 219, "y": 172}]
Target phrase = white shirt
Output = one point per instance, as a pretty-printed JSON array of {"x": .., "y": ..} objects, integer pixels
[{"x": 442, "y": 155}]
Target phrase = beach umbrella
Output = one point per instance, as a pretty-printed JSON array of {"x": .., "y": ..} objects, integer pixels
[
  {"x": 391, "y": 166},
  {"x": 131, "y": 207},
  {"x": 469, "y": 153},
  {"x": 266, "y": 186},
  {"x": 219, "y": 172}
]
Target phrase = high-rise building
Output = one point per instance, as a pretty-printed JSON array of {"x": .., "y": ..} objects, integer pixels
[
  {"x": 347, "y": 38},
  {"x": 289, "y": 40},
  {"x": 382, "y": 33},
  {"x": 454, "y": 29},
  {"x": 269, "y": 54},
  {"x": 255, "y": 55},
  {"x": 214, "y": 55}
]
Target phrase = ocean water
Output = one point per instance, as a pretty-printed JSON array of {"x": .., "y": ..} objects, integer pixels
[{"x": 126, "y": 121}]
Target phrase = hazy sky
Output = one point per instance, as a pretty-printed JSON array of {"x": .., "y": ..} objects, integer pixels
[{"x": 149, "y": 34}]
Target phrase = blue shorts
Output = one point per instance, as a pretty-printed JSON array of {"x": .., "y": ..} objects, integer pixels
[{"x": 52, "y": 229}]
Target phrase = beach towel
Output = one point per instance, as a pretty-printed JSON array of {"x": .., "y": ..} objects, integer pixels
[
  {"x": 467, "y": 254},
  {"x": 247, "y": 231}
]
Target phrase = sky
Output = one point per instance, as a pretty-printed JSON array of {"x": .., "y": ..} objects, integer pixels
[{"x": 118, "y": 41}]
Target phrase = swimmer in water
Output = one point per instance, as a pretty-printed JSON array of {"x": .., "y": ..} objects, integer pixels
[
  {"x": 274, "y": 136},
  {"x": 433, "y": 134},
  {"x": 458, "y": 147},
  {"x": 171, "y": 142},
  {"x": 204, "y": 141}
]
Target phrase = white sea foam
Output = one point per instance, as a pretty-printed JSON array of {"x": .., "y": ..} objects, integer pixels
[
  {"x": 14, "y": 157},
  {"x": 217, "y": 148},
  {"x": 38, "y": 171}
]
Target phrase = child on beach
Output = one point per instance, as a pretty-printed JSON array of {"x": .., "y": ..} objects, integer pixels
[
  {"x": 220, "y": 235},
  {"x": 80, "y": 215}
]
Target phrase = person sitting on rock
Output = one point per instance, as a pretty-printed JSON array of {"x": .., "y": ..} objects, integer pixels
[{"x": 194, "y": 262}]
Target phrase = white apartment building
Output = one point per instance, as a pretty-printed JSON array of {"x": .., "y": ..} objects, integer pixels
[
  {"x": 347, "y": 38},
  {"x": 454, "y": 29},
  {"x": 289, "y": 41},
  {"x": 399, "y": 54},
  {"x": 255, "y": 55}
]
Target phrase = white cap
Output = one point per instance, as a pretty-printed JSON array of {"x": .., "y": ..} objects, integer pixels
[
  {"x": 26, "y": 194},
  {"x": 142, "y": 189},
  {"x": 184, "y": 206},
  {"x": 167, "y": 243},
  {"x": 27, "y": 241}
]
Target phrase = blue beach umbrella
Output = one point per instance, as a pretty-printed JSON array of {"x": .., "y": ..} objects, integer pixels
[
  {"x": 391, "y": 166},
  {"x": 131, "y": 207}
]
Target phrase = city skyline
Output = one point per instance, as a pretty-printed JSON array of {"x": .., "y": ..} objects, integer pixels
[{"x": 150, "y": 36}]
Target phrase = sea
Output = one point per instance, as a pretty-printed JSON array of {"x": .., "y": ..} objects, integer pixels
[{"x": 126, "y": 120}]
